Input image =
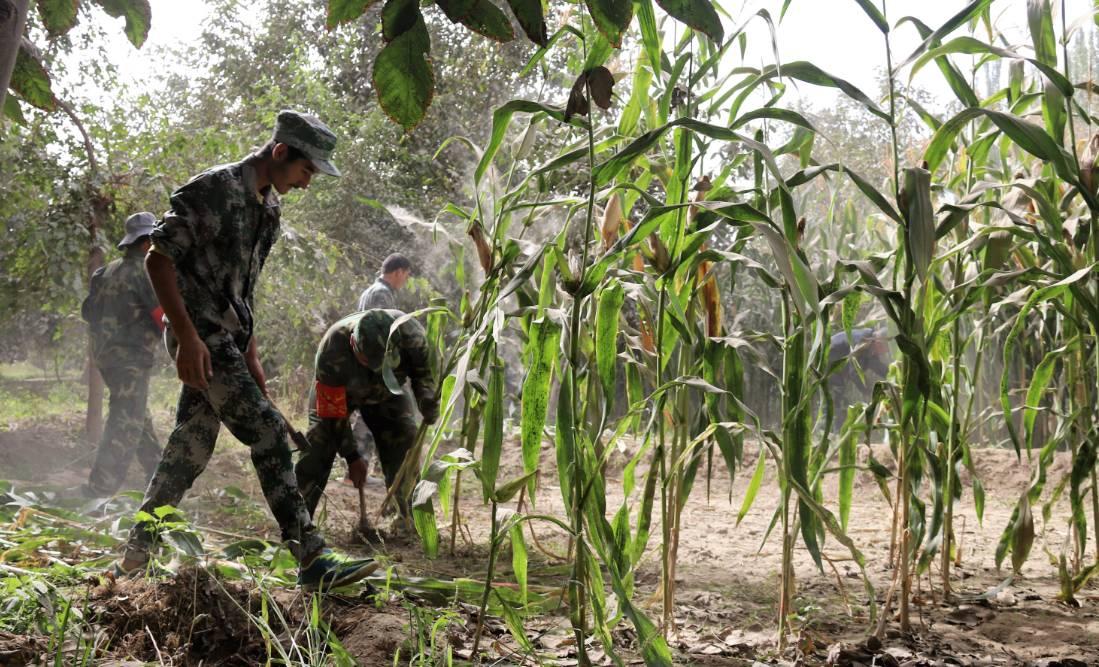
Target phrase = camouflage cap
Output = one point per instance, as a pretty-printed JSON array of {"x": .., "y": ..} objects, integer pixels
[
  {"x": 137, "y": 226},
  {"x": 369, "y": 337},
  {"x": 310, "y": 136}
]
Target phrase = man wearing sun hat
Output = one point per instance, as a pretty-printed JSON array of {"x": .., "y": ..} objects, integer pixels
[
  {"x": 124, "y": 324},
  {"x": 361, "y": 366},
  {"x": 204, "y": 264}
]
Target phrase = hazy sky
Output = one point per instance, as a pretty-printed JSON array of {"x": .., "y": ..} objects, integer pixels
[{"x": 833, "y": 34}]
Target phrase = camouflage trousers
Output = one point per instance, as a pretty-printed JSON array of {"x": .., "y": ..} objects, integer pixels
[
  {"x": 392, "y": 423},
  {"x": 234, "y": 399},
  {"x": 129, "y": 431}
]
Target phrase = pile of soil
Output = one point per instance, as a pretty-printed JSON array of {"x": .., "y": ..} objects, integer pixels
[
  {"x": 198, "y": 618},
  {"x": 192, "y": 616}
]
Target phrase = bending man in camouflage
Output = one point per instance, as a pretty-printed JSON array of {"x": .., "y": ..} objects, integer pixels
[
  {"x": 124, "y": 323},
  {"x": 205, "y": 261},
  {"x": 357, "y": 371},
  {"x": 395, "y": 272}
]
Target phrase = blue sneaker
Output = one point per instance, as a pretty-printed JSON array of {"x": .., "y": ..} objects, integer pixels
[{"x": 330, "y": 570}]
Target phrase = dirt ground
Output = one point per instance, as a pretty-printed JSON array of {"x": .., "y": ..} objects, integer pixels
[{"x": 727, "y": 575}]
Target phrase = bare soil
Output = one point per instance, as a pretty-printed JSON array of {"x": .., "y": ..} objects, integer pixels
[{"x": 727, "y": 574}]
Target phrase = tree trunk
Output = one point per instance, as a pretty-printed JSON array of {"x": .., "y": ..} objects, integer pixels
[
  {"x": 93, "y": 419},
  {"x": 13, "y": 16}
]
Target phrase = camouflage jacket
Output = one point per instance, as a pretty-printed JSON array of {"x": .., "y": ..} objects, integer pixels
[
  {"x": 339, "y": 373},
  {"x": 378, "y": 295},
  {"x": 218, "y": 234},
  {"x": 123, "y": 314}
]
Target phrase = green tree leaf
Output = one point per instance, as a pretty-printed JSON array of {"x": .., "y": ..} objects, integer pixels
[
  {"x": 480, "y": 16},
  {"x": 345, "y": 11},
  {"x": 402, "y": 74},
  {"x": 138, "y": 17},
  {"x": 612, "y": 17},
  {"x": 58, "y": 16},
  {"x": 532, "y": 19},
  {"x": 30, "y": 80},
  {"x": 698, "y": 14},
  {"x": 13, "y": 111}
]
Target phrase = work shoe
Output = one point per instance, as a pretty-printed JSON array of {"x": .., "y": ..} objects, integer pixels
[{"x": 330, "y": 570}]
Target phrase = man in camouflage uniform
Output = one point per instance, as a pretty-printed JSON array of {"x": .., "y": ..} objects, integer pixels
[
  {"x": 356, "y": 371},
  {"x": 204, "y": 263},
  {"x": 124, "y": 323},
  {"x": 395, "y": 272}
]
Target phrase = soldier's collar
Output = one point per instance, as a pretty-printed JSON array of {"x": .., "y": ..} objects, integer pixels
[{"x": 268, "y": 197}]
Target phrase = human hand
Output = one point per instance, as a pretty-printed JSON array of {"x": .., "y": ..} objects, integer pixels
[
  {"x": 255, "y": 366},
  {"x": 193, "y": 363},
  {"x": 430, "y": 413},
  {"x": 356, "y": 470}
]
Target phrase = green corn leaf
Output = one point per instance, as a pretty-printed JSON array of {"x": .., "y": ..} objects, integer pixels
[
  {"x": 848, "y": 448},
  {"x": 1083, "y": 465},
  {"x": 806, "y": 71},
  {"x": 644, "y": 516},
  {"x": 954, "y": 78},
  {"x": 58, "y": 16},
  {"x": 1038, "y": 383},
  {"x": 872, "y": 193},
  {"x": 920, "y": 219},
  {"x": 606, "y": 171},
  {"x": 506, "y": 492},
  {"x": 494, "y": 429},
  {"x": 1040, "y": 21},
  {"x": 519, "y": 558},
  {"x": 423, "y": 518},
  {"x": 543, "y": 345},
  {"x": 852, "y": 304},
  {"x": 501, "y": 119},
  {"x": 971, "y": 45},
  {"x": 773, "y": 113},
  {"x": 875, "y": 15},
  {"x": 801, "y": 281},
  {"x": 531, "y": 18},
  {"x": 639, "y": 99},
  {"x": 1038, "y": 296},
  {"x": 599, "y": 50},
  {"x": 612, "y": 18},
  {"x": 565, "y": 436},
  {"x": 1022, "y": 534},
  {"x": 967, "y": 13},
  {"x": 138, "y": 17},
  {"x": 698, "y": 14},
  {"x": 608, "y": 311},
  {"x": 651, "y": 38},
  {"x": 754, "y": 484},
  {"x": 480, "y": 16},
  {"x": 1026, "y": 135},
  {"x": 345, "y": 11}
]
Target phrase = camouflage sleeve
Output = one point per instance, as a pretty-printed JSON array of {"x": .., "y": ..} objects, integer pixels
[
  {"x": 416, "y": 356},
  {"x": 191, "y": 220}
]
